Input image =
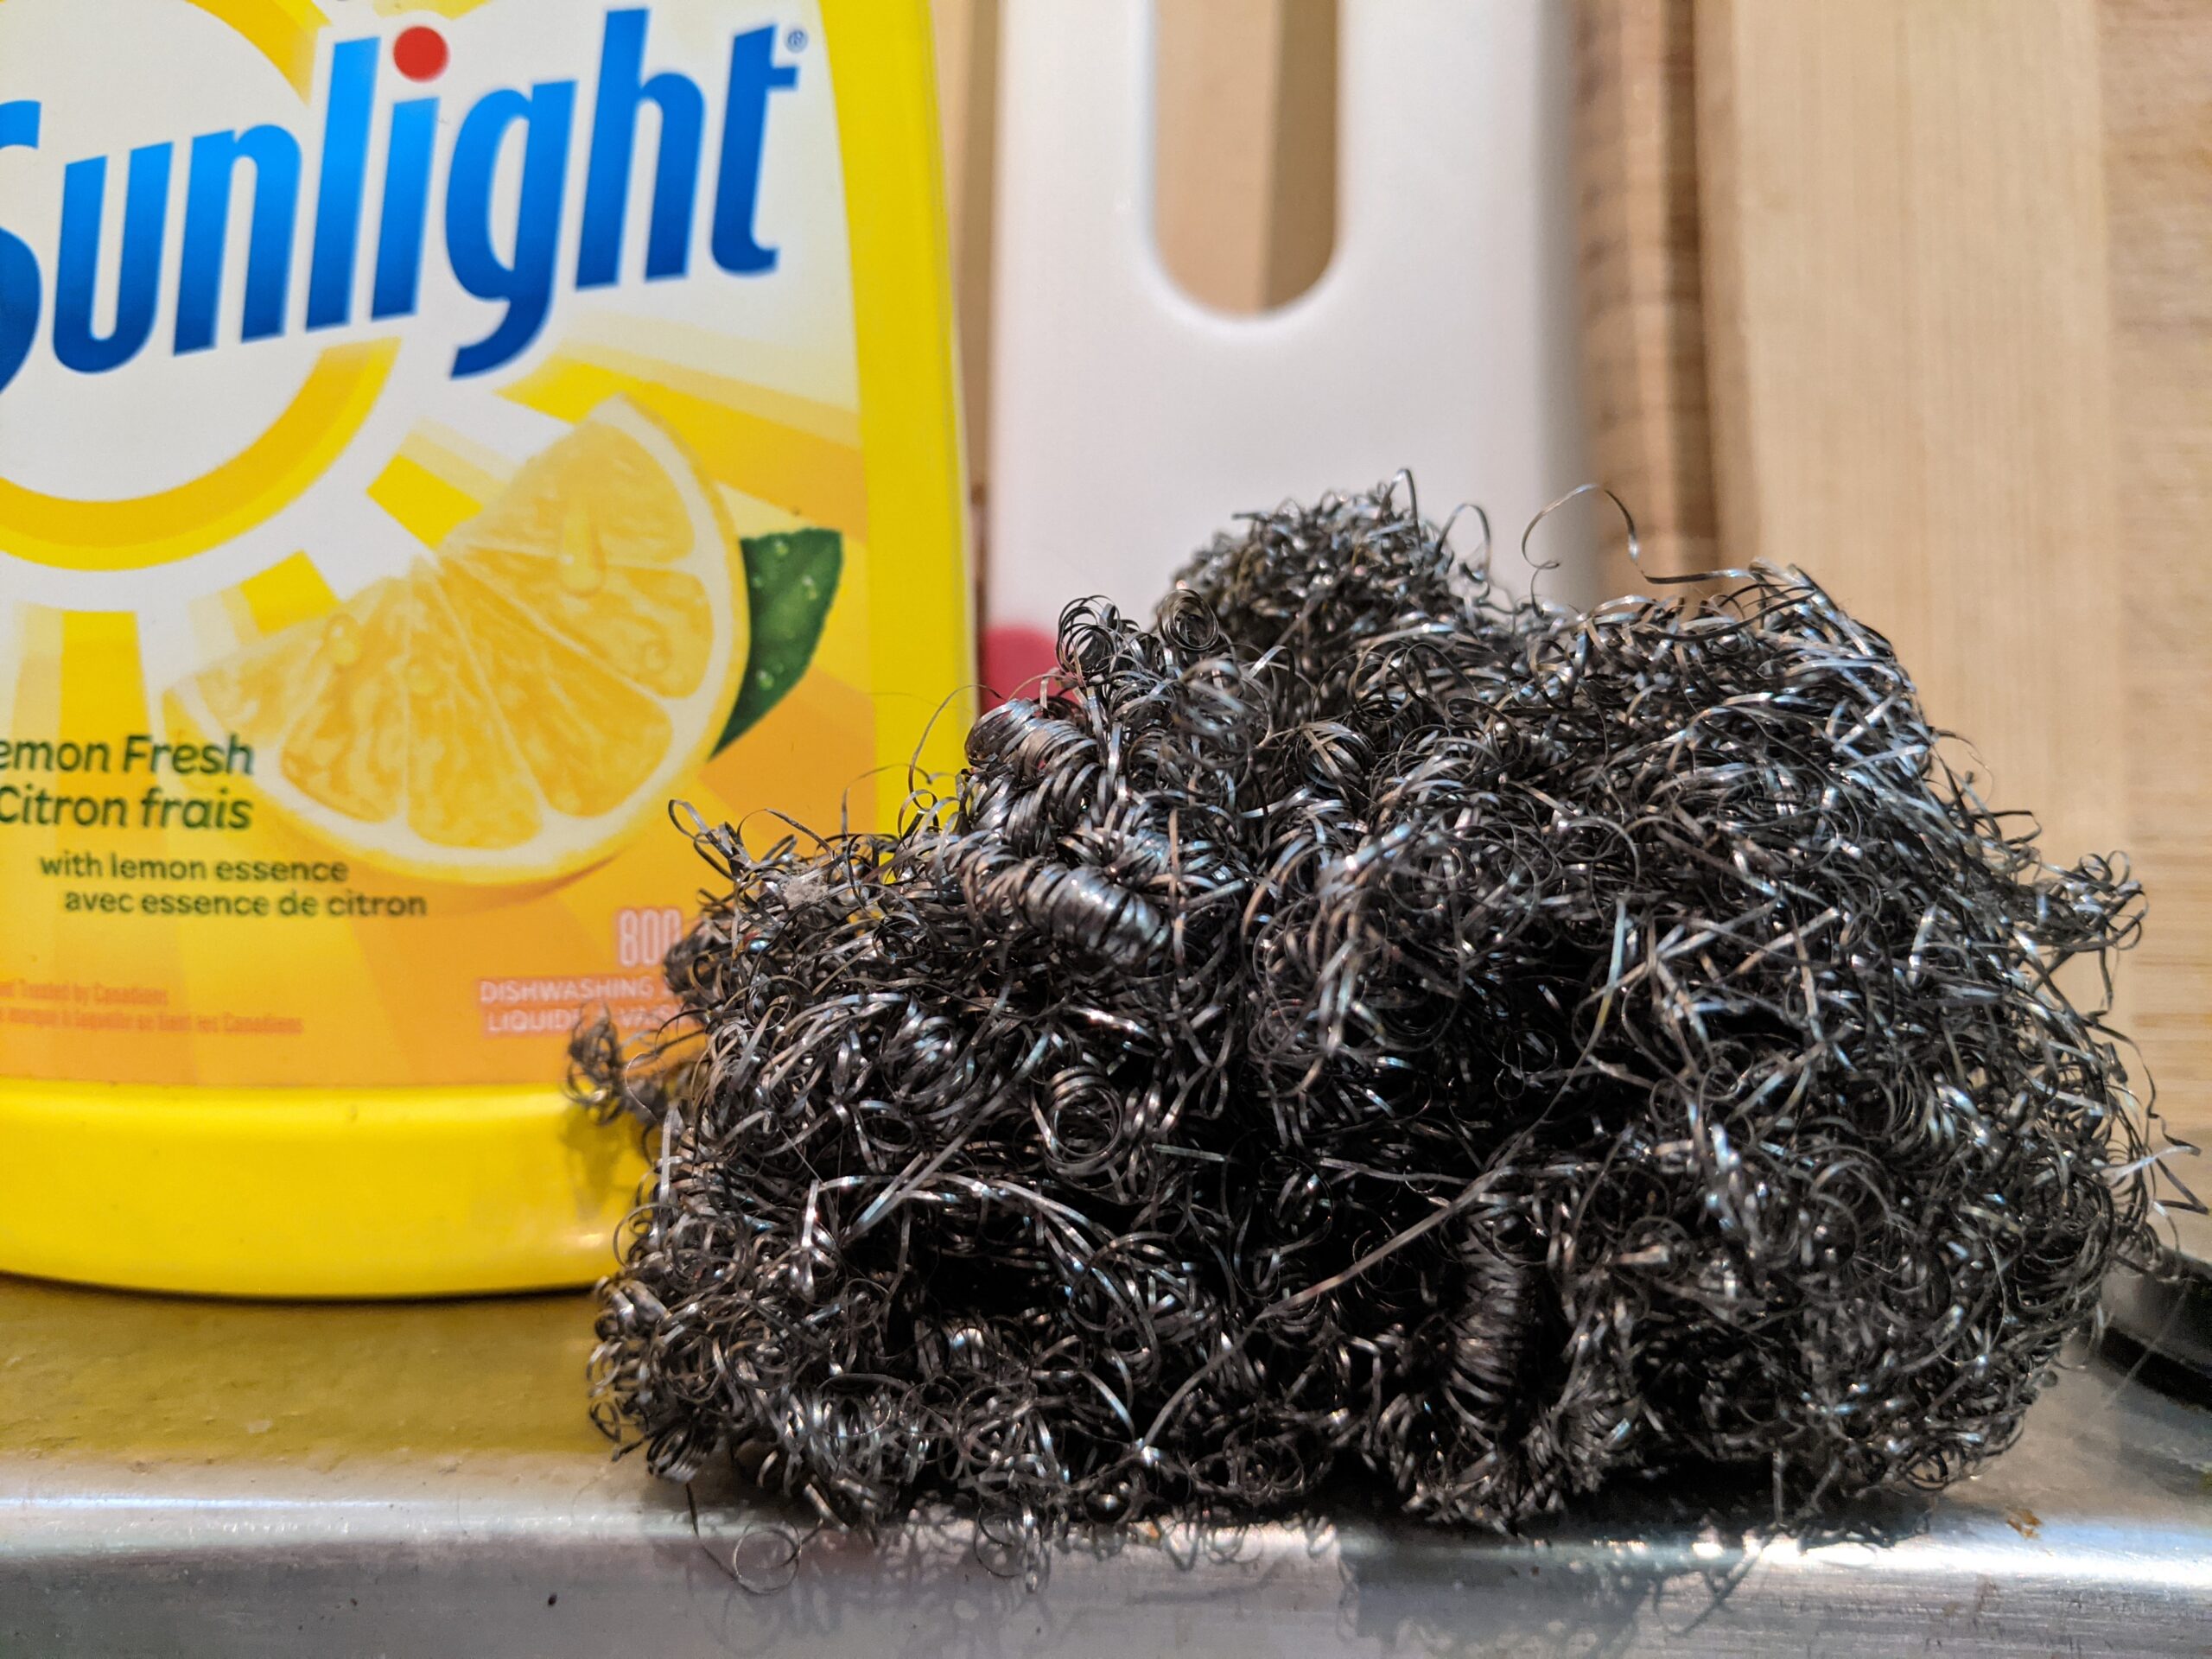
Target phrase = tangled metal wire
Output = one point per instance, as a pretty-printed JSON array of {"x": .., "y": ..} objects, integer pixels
[{"x": 1356, "y": 1027}]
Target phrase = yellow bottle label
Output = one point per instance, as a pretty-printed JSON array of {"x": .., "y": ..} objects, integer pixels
[{"x": 433, "y": 437}]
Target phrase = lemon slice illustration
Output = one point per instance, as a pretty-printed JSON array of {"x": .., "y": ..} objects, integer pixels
[{"x": 511, "y": 709}]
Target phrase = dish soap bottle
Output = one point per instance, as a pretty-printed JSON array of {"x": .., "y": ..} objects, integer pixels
[{"x": 434, "y": 437}]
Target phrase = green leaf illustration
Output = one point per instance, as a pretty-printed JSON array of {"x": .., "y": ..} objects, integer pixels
[{"x": 790, "y": 578}]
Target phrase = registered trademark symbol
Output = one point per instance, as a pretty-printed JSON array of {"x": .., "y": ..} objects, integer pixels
[{"x": 796, "y": 40}]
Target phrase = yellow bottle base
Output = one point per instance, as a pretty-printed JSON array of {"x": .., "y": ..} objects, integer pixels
[{"x": 309, "y": 1193}]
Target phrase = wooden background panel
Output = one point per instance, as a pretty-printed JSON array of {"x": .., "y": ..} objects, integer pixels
[
  {"x": 1639, "y": 260},
  {"x": 967, "y": 75},
  {"x": 1908, "y": 314},
  {"x": 2156, "y": 61},
  {"x": 1908, "y": 323},
  {"x": 1957, "y": 334}
]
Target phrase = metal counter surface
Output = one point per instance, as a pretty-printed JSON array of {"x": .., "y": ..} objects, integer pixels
[{"x": 187, "y": 1479}]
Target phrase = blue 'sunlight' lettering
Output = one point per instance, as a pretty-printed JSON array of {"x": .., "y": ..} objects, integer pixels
[
  {"x": 525, "y": 282},
  {"x": 623, "y": 93},
  {"x": 276, "y": 157},
  {"x": 512, "y": 267},
  {"x": 22, "y": 292},
  {"x": 345, "y": 173},
  {"x": 753, "y": 73},
  {"x": 145, "y": 226},
  {"x": 406, "y": 208}
]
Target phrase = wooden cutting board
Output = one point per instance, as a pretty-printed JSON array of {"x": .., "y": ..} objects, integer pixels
[{"x": 1915, "y": 295}]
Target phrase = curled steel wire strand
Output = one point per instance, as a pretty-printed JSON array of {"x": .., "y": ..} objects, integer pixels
[{"x": 1352, "y": 1025}]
